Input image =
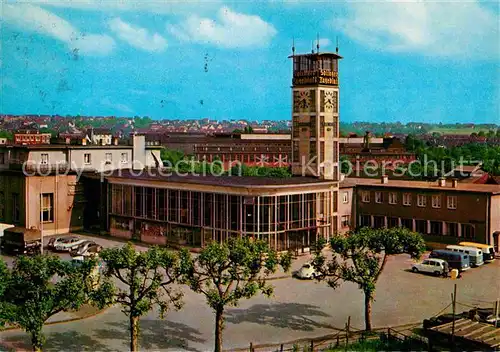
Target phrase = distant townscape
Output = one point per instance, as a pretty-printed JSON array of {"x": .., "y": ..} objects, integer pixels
[{"x": 123, "y": 126}]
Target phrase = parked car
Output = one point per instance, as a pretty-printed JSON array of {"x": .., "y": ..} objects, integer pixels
[
  {"x": 88, "y": 248},
  {"x": 430, "y": 266},
  {"x": 307, "y": 271},
  {"x": 66, "y": 244},
  {"x": 54, "y": 241}
]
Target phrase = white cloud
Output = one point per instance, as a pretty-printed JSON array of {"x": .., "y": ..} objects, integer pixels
[
  {"x": 36, "y": 19},
  {"x": 107, "y": 102},
  {"x": 444, "y": 29},
  {"x": 324, "y": 42},
  {"x": 153, "y": 6},
  {"x": 230, "y": 30},
  {"x": 137, "y": 37}
]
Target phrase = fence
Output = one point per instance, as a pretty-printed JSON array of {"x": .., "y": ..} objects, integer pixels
[{"x": 344, "y": 337}]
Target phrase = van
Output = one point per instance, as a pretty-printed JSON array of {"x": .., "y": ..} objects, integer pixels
[
  {"x": 488, "y": 251},
  {"x": 475, "y": 254},
  {"x": 20, "y": 240},
  {"x": 456, "y": 260}
]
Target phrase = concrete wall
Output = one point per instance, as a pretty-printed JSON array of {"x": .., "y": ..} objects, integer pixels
[
  {"x": 139, "y": 152},
  {"x": 68, "y": 203},
  {"x": 495, "y": 221},
  {"x": 98, "y": 158},
  {"x": 346, "y": 209},
  {"x": 55, "y": 156}
]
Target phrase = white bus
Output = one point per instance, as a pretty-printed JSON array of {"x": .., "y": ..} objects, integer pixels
[
  {"x": 488, "y": 251},
  {"x": 475, "y": 254}
]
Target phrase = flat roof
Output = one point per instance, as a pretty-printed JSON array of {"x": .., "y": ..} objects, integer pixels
[
  {"x": 211, "y": 180},
  {"x": 330, "y": 54},
  {"x": 481, "y": 333},
  {"x": 72, "y": 146},
  {"x": 434, "y": 186}
]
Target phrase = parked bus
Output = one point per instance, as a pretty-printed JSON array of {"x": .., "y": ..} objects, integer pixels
[
  {"x": 475, "y": 254},
  {"x": 488, "y": 251},
  {"x": 456, "y": 260}
]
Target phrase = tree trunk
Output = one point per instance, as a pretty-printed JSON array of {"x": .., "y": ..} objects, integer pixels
[
  {"x": 368, "y": 311},
  {"x": 37, "y": 341},
  {"x": 219, "y": 326},
  {"x": 134, "y": 333}
]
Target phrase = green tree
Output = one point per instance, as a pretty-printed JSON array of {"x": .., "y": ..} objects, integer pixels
[
  {"x": 147, "y": 278},
  {"x": 6, "y": 134},
  {"x": 481, "y": 134},
  {"x": 37, "y": 288},
  {"x": 361, "y": 256},
  {"x": 226, "y": 273},
  {"x": 171, "y": 156},
  {"x": 4, "y": 279}
]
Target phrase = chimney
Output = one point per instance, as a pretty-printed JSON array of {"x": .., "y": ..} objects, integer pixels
[
  {"x": 115, "y": 140},
  {"x": 138, "y": 152},
  {"x": 454, "y": 183},
  {"x": 84, "y": 141},
  {"x": 442, "y": 182},
  {"x": 385, "y": 179},
  {"x": 342, "y": 177}
]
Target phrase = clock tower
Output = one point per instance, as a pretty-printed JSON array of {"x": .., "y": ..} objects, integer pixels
[{"x": 315, "y": 115}]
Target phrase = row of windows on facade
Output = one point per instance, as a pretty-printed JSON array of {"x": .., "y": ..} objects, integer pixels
[
  {"x": 245, "y": 157},
  {"x": 87, "y": 158},
  {"x": 306, "y": 63},
  {"x": 426, "y": 227},
  {"x": 249, "y": 149},
  {"x": 198, "y": 208},
  {"x": 451, "y": 201},
  {"x": 46, "y": 211}
]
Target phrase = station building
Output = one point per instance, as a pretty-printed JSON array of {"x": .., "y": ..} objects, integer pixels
[{"x": 287, "y": 213}]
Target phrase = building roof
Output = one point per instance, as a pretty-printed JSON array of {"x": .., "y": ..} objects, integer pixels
[
  {"x": 228, "y": 181},
  {"x": 481, "y": 333},
  {"x": 334, "y": 55},
  {"x": 460, "y": 187},
  {"x": 73, "y": 146}
]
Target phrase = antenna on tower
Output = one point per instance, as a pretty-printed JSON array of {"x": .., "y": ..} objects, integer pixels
[
  {"x": 337, "y": 47},
  {"x": 317, "y": 42},
  {"x": 312, "y": 47},
  {"x": 293, "y": 46}
]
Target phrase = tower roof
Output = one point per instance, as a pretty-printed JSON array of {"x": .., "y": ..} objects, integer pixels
[{"x": 325, "y": 54}]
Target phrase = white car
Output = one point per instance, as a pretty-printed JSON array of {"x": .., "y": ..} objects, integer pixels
[
  {"x": 431, "y": 266},
  {"x": 307, "y": 271},
  {"x": 66, "y": 244}
]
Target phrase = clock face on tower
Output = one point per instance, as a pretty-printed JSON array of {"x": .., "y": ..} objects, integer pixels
[
  {"x": 302, "y": 101},
  {"x": 330, "y": 101}
]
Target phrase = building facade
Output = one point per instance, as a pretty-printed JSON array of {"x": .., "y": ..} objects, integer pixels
[
  {"x": 288, "y": 213},
  {"x": 53, "y": 188},
  {"x": 444, "y": 212},
  {"x": 29, "y": 137},
  {"x": 191, "y": 210}
]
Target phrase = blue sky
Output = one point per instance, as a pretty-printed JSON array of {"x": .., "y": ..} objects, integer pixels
[{"x": 404, "y": 61}]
